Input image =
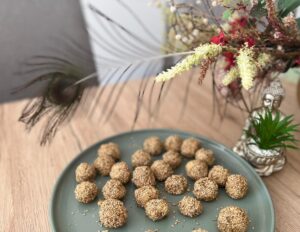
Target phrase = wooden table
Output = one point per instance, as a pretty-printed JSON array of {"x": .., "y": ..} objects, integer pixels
[{"x": 28, "y": 172}]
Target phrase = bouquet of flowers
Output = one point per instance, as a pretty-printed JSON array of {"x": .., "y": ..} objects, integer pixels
[{"x": 252, "y": 42}]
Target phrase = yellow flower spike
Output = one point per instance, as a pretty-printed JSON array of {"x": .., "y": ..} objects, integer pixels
[
  {"x": 231, "y": 75},
  {"x": 203, "y": 52},
  {"x": 247, "y": 67}
]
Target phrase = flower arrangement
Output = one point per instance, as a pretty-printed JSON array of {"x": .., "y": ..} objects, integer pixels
[
  {"x": 246, "y": 44},
  {"x": 254, "y": 40}
]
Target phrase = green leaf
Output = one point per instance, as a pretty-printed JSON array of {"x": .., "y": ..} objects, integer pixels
[
  {"x": 226, "y": 14},
  {"x": 271, "y": 131},
  {"x": 259, "y": 10},
  {"x": 287, "y": 6}
]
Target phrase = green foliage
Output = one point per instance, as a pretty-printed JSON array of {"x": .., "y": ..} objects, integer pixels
[
  {"x": 284, "y": 8},
  {"x": 287, "y": 6},
  {"x": 226, "y": 14},
  {"x": 270, "y": 132}
]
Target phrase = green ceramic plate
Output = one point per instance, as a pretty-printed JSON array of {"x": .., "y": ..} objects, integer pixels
[{"x": 67, "y": 215}]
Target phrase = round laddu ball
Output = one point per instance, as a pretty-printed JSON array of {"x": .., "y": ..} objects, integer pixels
[
  {"x": 161, "y": 170},
  {"x": 143, "y": 176},
  {"x": 205, "y": 155},
  {"x": 85, "y": 172},
  {"x": 173, "y": 158},
  {"x": 153, "y": 145},
  {"x": 205, "y": 189},
  {"x": 86, "y": 192},
  {"x": 144, "y": 194},
  {"x": 199, "y": 230},
  {"x": 233, "y": 218},
  {"x": 111, "y": 149},
  {"x": 173, "y": 143},
  {"x": 189, "y": 147},
  {"x": 120, "y": 171},
  {"x": 103, "y": 164},
  {"x": 157, "y": 209},
  {"x": 190, "y": 206},
  {"x": 141, "y": 158},
  {"x": 113, "y": 189},
  {"x": 196, "y": 169},
  {"x": 176, "y": 184},
  {"x": 219, "y": 174},
  {"x": 112, "y": 213},
  {"x": 236, "y": 186}
]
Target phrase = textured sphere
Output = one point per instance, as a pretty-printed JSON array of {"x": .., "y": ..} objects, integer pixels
[
  {"x": 176, "y": 184},
  {"x": 233, "y": 218},
  {"x": 189, "y": 147},
  {"x": 141, "y": 158},
  {"x": 103, "y": 164},
  {"x": 173, "y": 143},
  {"x": 113, "y": 189},
  {"x": 199, "y": 230},
  {"x": 112, "y": 213},
  {"x": 190, "y": 206},
  {"x": 157, "y": 209},
  {"x": 85, "y": 172},
  {"x": 236, "y": 186},
  {"x": 111, "y": 149},
  {"x": 86, "y": 192},
  {"x": 144, "y": 194},
  {"x": 219, "y": 174},
  {"x": 120, "y": 171},
  {"x": 196, "y": 169},
  {"x": 205, "y": 189},
  {"x": 143, "y": 176},
  {"x": 153, "y": 145},
  {"x": 173, "y": 158},
  {"x": 161, "y": 170},
  {"x": 205, "y": 155}
]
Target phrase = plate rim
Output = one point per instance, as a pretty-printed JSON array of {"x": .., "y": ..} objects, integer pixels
[{"x": 193, "y": 134}]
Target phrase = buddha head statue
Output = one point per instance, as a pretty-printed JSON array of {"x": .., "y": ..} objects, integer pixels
[{"x": 273, "y": 95}]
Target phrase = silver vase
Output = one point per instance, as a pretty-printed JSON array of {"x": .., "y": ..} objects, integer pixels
[{"x": 264, "y": 161}]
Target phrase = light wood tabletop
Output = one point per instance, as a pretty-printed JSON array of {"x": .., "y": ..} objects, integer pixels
[{"x": 28, "y": 172}]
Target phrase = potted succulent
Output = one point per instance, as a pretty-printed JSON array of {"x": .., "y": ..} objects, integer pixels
[{"x": 267, "y": 138}]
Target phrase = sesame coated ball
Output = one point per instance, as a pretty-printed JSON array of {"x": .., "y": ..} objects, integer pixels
[
  {"x": 153, "y": 145},
  {"x": 205, "y": 189},
  {"x": 111, "y": 149},
  {"x": 236, "y": 186},
  {"x": 199, "y": 230},
  {"x": 120, "y": 171},
  {"x": 86, "y": 192},
  {"x": 112, "y": 213},
  {"x": 190, "y": 206},
  {"x": 141, "y": 158},
  {"x": 173, "y": 158},
  {"x": 173, "y": 143},
  {"x": 85, "y": 172},
  {"x": 205, "y": 155},
  {"x": 219, "y": 174},
  {"x": 143, "y": 176},
  {"x": 157, "y": 209},
  {"x": 113, "y": 189},
  {"x": 103, "y": 164},
  {"x": 196, "y": 169},
  {"x": 189, "y": 147},
  {"x": 176, "y": 184},
  {"x": 144, "y": 194},
  {"x": 161, "y": 170},
  {"x": 233, "y": 218}
]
